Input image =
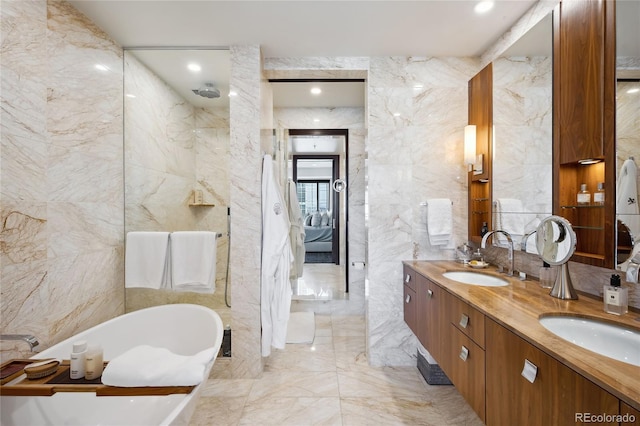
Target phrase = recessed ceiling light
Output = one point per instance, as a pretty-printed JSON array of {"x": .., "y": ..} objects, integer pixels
[
  {"x": 483, "y": 6},
  {"x": 316, "y": 120},
  {"x": 396, "y": 114},
  {"x": 634, "y": 90},
  {"x": 102, "y": 67},
  {"x": 316, "y": 90},
  {"x": 194, "y": 67},
  {"x": 130, "y": 95}
]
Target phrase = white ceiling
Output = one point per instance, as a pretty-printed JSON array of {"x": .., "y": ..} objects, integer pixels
[
  {"x": 306, "y": 28},
  {"x": 309, "y": 28}
]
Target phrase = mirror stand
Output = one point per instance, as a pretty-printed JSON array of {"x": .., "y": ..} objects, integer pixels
[
  {"x": 563, "y": 287},
  {"x": 556, "y": 243}
]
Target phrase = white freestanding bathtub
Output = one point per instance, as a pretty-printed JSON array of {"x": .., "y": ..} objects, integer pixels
[{"x": 184, "y": 329}]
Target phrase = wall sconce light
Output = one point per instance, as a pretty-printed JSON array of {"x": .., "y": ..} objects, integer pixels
[
  {"x": 470, "y": 144},
  {"x": 473, "y": 160}
]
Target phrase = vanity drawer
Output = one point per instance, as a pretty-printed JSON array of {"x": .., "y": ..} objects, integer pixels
[
  {"x": 467, "y": 319},
  {"x": 466, "y": 369},
  {"x": 409, "y": 277}
]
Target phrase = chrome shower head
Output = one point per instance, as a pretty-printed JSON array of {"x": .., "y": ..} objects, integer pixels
[{"x": 207, "y": 91}]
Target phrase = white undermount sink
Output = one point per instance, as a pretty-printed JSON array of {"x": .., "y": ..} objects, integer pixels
[
  {"x": 475, "y": 278},
  {"x": 613, "y": 341}
]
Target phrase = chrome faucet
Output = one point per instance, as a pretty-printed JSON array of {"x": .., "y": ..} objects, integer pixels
[
  {"x": 525, "y": 237},
  {"x": 31, "y": 340},
  {"x": 483, "y": 244}
]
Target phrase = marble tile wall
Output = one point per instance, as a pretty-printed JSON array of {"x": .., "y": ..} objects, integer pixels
[
  {"x": 246, "y": 113},
  {"x": 522, "y": 118},
  {"x": 352, "y": 119},
  {"x": 61, "y": 182},
  {"x": 172, "y": 148},
  {"x": 412, "y": 157}
]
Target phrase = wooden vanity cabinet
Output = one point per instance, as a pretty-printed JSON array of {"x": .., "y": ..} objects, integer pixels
[
  {"x": 465, "y": 358},
  {"x": 553, "y": 394},
  {"x": 465, "y": 367},
  {"x": 467, "y": 319},
  {"x": 431, "y": 308},
  {"x": 627, "y": 409},
  {"x": 410, "y": 299},
  {"x": 410, "y": 311}
]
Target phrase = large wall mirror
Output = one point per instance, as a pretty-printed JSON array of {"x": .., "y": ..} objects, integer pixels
[
  {"x": 176, "y": 145},
  {"x": 523, "y": 136},
  {"x": 627, "y": 128}
]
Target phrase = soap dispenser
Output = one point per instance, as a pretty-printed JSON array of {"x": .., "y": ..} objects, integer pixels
[{"x": 616, "y": 298}]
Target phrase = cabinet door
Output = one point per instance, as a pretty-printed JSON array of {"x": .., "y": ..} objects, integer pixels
[
  {"x": 466, "y": 369},
  {"x": 410, "y": 312},
  {"x": 553, "y": 394},
  {"x": 431, "y": 307},
  {"x": 632, "y": 415}
]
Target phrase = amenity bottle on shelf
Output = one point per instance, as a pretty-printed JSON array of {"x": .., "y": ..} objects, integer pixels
[
  {"x": 598, "y": 196},
  {"x": 584, "y": 196}
]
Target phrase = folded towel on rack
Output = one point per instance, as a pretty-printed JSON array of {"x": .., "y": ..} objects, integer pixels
[
  {"x": 510, "y": 218},
  {"x": 146, "y": 260},
  {"x": 146, "y": 365},
  {"x": 193, "y": 261},
  {"x": 439, "y": 221}
]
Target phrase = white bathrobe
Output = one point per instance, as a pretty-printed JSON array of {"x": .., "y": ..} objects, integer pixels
[
  {"x": 275, "y": 292},
  {"x": 627, "y": 197},
  {"x": 297, "y": 233}
]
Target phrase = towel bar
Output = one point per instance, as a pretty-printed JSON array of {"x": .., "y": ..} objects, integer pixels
[{"x": 425, "y": 203}]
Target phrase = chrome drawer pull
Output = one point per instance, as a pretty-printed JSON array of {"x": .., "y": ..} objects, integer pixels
[
  {"x": 530, "y": 371},
  {"x": 464, "y": 320},
  {"x": 464, "y": 353},
  {"x": 408, "y": 299},
  {"x": 430, "y": 293},
  {"x": 407, "y": 278}
]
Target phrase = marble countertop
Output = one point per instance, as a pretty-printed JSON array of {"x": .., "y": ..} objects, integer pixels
[{"x": 519, "y": 305}]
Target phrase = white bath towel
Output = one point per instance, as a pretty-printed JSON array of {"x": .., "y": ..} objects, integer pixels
[
  {"x": 193, "y": 261},
  {"x": 510, "y": 218},
  {"x": 439, "y": 221},
  {"x": 627, "y": 206},
  {"x": 146, "y": 365},
  {"x": 146, "y": 260}
]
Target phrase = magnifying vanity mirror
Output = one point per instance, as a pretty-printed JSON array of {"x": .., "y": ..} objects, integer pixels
[{"x": 556, "y": 243}]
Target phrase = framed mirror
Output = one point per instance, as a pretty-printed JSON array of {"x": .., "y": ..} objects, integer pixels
[
  {"x": 523, "y": 134},
  {"x": 627, "y": 130}
]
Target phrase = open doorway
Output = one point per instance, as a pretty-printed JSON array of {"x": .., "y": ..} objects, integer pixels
[
  {"x": 320, "y": 206},
  {"x": 318, "y": 165}
]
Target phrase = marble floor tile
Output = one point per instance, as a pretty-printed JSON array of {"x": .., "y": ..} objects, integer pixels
[
  {"x": 292, "y": 360},
  {"x": 228, "y": 387},
  {"x": 293, "y": 412},
  {"x": 381, "y": 382},
  {"x": 352, "y": 344},
  {"x": 218, "y": 411},
  {"x": 320, "y": 281},
  {"x": 329, "y": 383},
  {"x": 389, "y": 411},
  {"x": 299, "y": 384}
]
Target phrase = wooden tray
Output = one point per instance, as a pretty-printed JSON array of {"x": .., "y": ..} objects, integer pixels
[{"x": 17, "y": 384}]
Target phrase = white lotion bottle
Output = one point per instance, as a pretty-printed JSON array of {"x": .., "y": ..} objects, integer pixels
[
  {"x": 93, "y": 362},
  {"x": 77, "y": 360}
]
